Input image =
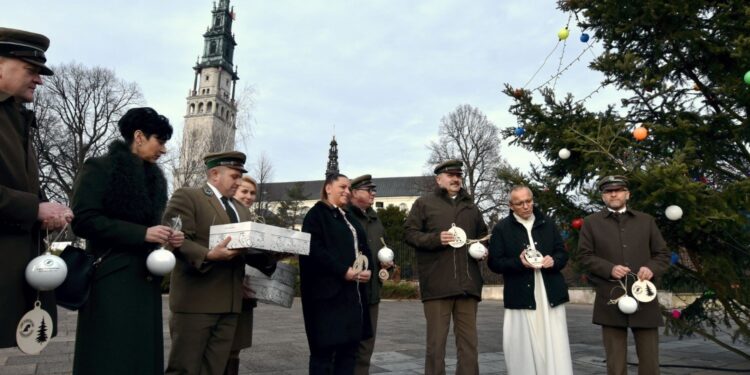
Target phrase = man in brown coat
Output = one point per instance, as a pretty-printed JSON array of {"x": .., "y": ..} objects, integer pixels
[
  {"x": 450, "y": 281},
  {"x": 620, "y": 244},
  {"x": 24, "y": 211},
  {"x": 206, "y": 284}
]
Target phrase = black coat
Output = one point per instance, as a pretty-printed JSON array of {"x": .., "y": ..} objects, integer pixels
[
  {"x": 335, "y": 310},
  {"x": 509, "y": 238},
  {"x": 116, "y": 197},
  {"x": 19, "y": 228}
]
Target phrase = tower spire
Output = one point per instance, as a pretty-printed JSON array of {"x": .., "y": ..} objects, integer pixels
[{"x": 333, "y": 158}]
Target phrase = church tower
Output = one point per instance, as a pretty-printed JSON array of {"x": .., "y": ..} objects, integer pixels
[
  {"x": 333, "y": 158},
  {"x": 211, "y": 110}
]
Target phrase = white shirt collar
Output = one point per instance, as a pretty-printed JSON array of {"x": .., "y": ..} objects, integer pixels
[{"x": 621, "y": 211}]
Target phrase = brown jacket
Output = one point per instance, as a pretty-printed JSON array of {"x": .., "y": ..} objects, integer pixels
[
  {"x": 19, "y": 229},
  {"x": 444, "y": 271},
  {"x": 632, "y": 240},
  {"x": 199, "y": 286}
]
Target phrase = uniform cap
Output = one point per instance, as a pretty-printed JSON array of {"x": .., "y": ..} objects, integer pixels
[
  {"x": 230, "y": 159},
  {"x": 452, "y": 166},
  {"x": 612, "y": 183},
  {"x": 26, "y": 46},
  {"x": 364, "y": 181}
]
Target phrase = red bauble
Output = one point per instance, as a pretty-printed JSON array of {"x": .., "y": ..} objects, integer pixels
[{"x": 577, "y": 223}]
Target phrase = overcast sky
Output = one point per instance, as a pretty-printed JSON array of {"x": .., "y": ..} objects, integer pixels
[{"x": 382, "y": 73}]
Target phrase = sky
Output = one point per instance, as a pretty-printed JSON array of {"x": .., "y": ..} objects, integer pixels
[{"x": 379, "y": 74}]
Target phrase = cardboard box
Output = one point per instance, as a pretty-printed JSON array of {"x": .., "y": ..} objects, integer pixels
[
  {"x": 266, "y": 237},
  {"x": 275, "y": 290}
]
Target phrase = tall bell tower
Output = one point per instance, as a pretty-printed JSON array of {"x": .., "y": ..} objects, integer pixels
[{"x": 211, "y": 112}]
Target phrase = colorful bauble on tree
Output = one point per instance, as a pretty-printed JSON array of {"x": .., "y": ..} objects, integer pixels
[
  {"x": 673, "y": 212},
  {"x": 576, "y": 223},
  {"x": 676, "y": 314},
  {"x": 584, "y": 37},
  {"x": 564, "y": 153},
  {"x": 674, "y": 258},
  {"x": 563, "y": 33},
  {"x": 640, "y": 133},
  {"x": 747, "y": 77},
  {"x": 519, "y": 131}
]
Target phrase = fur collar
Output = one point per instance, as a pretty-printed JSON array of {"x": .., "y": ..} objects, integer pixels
[{"x": 137, "y": 189}]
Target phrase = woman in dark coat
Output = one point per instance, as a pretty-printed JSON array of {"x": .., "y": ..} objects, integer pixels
[
  {"x": 334, "y": 297},
  {"x": 118, "y": 201}
]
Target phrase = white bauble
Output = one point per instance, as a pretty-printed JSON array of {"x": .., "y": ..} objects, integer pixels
[
  {"x": 673, "y": 212},
  {"x": 160, "y": 262},
  {"x": 477, "y": 250},
  {"x": 627, "y": 304},
  {"x": 385, "y": 255},
  {"x": 564, "y": 153},
  {"x": 46, "y": 272}
]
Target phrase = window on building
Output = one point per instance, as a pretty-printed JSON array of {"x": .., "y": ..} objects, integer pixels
[
  {"x": 209, "y": 107},
  {"x": 192, "y": 109},
  {"x": 378, "y": 204},
  {"x": 403, "y": 206},
  {"x": 214, "y": 43},
  {"x": 200, "y": 107},
  {"x": 212, "y": 49}
]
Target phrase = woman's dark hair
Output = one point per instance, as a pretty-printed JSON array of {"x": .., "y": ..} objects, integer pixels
[
  {"x": 146, "y": 120},
  {"x": 330, "y": 178}
]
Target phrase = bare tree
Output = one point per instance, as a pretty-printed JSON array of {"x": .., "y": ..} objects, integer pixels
[
  {"x": 467, "y": 135},
  {"x": 77, "y": 112},
  {"x": 263, "y": 173}
]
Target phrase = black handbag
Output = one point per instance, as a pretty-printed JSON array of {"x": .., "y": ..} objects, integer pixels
[{"x": 74, "y": 291}]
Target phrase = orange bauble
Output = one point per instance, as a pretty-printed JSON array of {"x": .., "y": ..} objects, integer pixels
[{"x": 640, "y": 133}]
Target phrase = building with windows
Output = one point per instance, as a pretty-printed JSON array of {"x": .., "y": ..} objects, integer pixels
[{"x": 211, "y": 111}]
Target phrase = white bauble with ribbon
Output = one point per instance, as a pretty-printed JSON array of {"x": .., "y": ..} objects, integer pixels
[
  {"x": 673, "y": 212},
  {"x": 160, "y": 262},
  {"x": 627, "y": 305},
  {"x": 46, "y": 272},
  {"x": 385, "y": 254},
  {"x": 477, "y": 251}
]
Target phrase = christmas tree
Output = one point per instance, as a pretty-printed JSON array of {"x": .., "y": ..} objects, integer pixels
[
  {"x": 42, "y": 333},
  {"x": 680, "y": 134}
]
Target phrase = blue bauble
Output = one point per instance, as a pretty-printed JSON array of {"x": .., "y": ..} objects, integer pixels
[
  {"x": 564, "y": 234},
  {"x": 519, "y": 131},
  {"x": 584, "y": 37},
  {"x": 675, "y": 258}
]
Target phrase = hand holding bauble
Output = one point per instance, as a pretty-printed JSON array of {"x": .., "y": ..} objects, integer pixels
[
  {"x": 160, "y": 262},
  {"x": 46, "y": 272},
  {"x": 627, "y": 304},
  {"x": 477, "y": 251}
]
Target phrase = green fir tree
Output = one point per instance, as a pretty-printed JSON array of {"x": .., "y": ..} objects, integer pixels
[{"x": 679, "y": 65}]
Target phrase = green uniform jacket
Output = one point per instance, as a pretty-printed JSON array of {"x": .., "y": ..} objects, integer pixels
[
  {"x": 197, "y": 285},
  {"x": 375, "y": 231},
  {"x": 443, "y": 270},
  {"x": 634, "y": 241},
  {"x": 19, "y": 229},
  {"x": 116, "y": 198}
]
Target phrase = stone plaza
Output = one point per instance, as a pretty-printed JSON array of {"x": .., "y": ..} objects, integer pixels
[{"x": 280, "y": 346}]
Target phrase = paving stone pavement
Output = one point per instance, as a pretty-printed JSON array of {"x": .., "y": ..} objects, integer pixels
[{"x": 280, "y": 347}]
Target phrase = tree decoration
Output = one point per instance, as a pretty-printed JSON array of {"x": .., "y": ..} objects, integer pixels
[
  {"x": 46, "y": 272},
  {"x": 627, "y": 304},
  {"x": 563, "y": 33},
  {"x": 676, "y": 314},
  {"x": 673, "y": 212},
  {"x": 674, "y": 258},
  {"x": 640, "y": 133},
  {"x": 747, "y": 77},
  {"x": 519, "y": 131},
  {"x": 160, "y": 262},
  {"x": 584, "y": 38},
  {"x": 564, "y": 153},
  {"x": 577, "y": 223}
]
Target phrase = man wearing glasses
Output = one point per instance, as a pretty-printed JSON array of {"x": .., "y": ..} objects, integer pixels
[
  {"x": 618, "y": 244},
  {"x": 526, "y": 248},
  {"x": 363, "y": 197}
]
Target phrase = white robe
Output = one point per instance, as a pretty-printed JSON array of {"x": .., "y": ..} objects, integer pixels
[{"x": 536, "y": 341}]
